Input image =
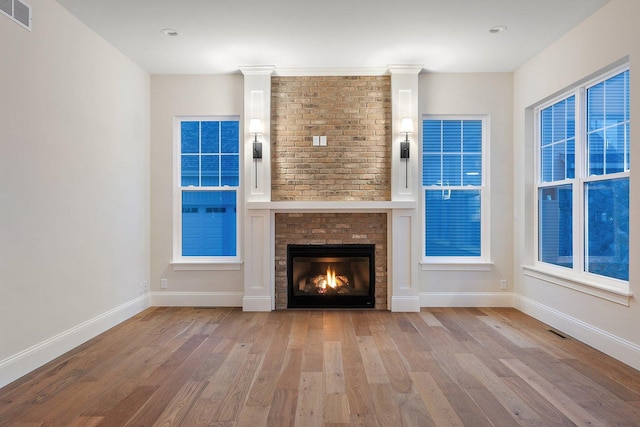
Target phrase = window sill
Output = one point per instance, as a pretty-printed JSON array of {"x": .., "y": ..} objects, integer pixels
[
  {"x": 206, "y": 265},
  {"x": 456, "y": 266},
  {"x": 600, "y": 290}
]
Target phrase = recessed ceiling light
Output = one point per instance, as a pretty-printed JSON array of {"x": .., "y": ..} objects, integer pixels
[
  {"x": 169, "y": 32},
  {"x": 497, "y": 29}
]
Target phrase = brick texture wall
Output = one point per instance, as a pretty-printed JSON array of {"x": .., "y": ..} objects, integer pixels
[
  {"x": 331, "y": 228},
  {"x": 354, "y": 113}
]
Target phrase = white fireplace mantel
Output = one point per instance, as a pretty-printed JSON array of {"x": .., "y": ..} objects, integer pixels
[
  {"x": 331, "y": 206},
  {"x": 403, "y": 224},
  {"x": 402, "y": 230}
]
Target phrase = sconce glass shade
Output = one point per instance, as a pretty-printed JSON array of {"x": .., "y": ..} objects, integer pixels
[
  {"x": 255, "y": 126},
  {"x": 407, "y": 125}
]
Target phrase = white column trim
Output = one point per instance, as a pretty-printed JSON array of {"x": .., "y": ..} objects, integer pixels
[{"x": 405, "y": 176}]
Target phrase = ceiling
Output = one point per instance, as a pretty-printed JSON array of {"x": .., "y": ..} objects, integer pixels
[{"x": 220, "y": 36}]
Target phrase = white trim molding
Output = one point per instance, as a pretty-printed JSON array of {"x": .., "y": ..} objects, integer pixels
[
  {"x": 36, "y": 356},
  {"x": 257, "y": 303},
  {"x": 612, "y": 345},
  {"x": 404, "y": 304},
  {"x": 196, "y": 299},
  {"x": 466, "y": 299},
  {"x": 599, "y": 290},
  {"x": 206, "y": 266}
]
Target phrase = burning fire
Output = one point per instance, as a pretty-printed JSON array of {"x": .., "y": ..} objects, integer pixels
[
  {"x": 329, "y": 281},
  {"x": 331, "y": 278}
]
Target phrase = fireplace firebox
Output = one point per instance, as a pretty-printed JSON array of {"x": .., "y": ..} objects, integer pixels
[{"x": 331, "y": 276}]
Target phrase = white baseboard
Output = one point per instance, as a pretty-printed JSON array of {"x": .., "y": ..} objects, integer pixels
[
  {"x": 257, "y": 304},
  {"x": 402, "y": 304},
  {"x": 612, "y": 345},
  {"x": 32, "y": 358},
  {"x": 466, "y": 299},
  {"x": 196, "y": 299}
]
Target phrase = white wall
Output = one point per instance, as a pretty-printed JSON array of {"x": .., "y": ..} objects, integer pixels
[
  {"x": 605, "y": 38},
  {"x": 485, "y": 94},
  {"x": 74, "y": 188},
  {"x": 171, "y": 96}
]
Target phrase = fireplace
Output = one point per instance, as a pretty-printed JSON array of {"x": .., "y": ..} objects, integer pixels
[{"x": 331, "y": 276}]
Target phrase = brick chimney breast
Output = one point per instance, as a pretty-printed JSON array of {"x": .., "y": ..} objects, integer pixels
[{"x": 354, "y": 113}]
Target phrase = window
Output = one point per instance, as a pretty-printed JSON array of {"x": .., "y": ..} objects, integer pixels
[
  {"x": 207, "y": 181},
  {"x": 583, "y": 179},
  {"x": 455, "y": 191}
]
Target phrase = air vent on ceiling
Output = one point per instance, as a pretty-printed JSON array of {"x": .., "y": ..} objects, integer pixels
[{"x": 18, "y": 11}]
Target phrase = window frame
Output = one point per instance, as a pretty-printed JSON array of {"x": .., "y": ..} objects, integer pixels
[
  {"x": 181, "y": 262},
  {"x": 471, "y": 263},
  {"x": 575, "y": 277}
]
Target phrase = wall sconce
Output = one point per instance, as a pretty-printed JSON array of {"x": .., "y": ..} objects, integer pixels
[
  {"x": 406, "y": 127},
  {"x": 255, "y": 127}
]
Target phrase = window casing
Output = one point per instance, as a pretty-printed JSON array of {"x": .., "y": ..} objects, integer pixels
[
  {"x": 455, "y": 190},
  {"x": 207, "y": 184},
  {"x": 582, "y": 182}
]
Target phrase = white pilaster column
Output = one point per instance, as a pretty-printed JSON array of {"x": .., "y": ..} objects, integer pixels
[
  {"x": 257, "y": 105},
  {"x": 258, "y": 287},
  {"x": 404, "y": 233}
]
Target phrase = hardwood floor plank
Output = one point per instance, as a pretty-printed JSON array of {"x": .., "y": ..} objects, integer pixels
[
  {"x": 621, "y": 391},
  {"x": 360, "y": 323},
  {"x": 396, "y": 371},
  {"x": 450, "y": 322},
  {"x": 282, "y": 411},
  {"x": 60, "y": 408},
  {"x": 333, "y": 368},
  {"x": 253, "y": 416},
  {"x": 516, "y": 407},
  {"x": 436, "y": 403},
  {"x": 372, "y": 362},
  {"x": 564, "y": 403},
  {"x": 549, "y": 414},
  {"x": 385, "y": 401},
  {"x": 292, "y": 367},
  {"x": 85, "y": 422},
  {"x": 465, "y": 408},
  {"x": 442, "y": 366},
  {"x": 274, "y": 355},
  {"x": 263, "y": 388},
  {"x": 224, "y": 376},
  {"x": 299, "y": 332},
  {"x": 491, "y": 408},
  {"x": 429, "y": 318},
  {"x": 313, "y": 351},
  {"x": 330, "y": 326},
  {"x": 508, "y": 332},
  {"x": 358, "y": 390},
  {"x": 128, "y": 407},
  {"x": 179, "y": 406},
  {"x": 413, "y": 412},
  {"x": 309, "y": 408},
  {"x": 238, "y": 390},
  {"x": 170, "y": 387},
  {"x": 335, "y": 409}
]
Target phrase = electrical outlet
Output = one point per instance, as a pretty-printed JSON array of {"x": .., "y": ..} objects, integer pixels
[
  {"x": 163, "y": 283},
  {"x": 143, "y": 287},
  {"x": 503, "y": 284}
]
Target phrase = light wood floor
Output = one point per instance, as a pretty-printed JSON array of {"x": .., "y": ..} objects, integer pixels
[{"x": 440, "y": 367}]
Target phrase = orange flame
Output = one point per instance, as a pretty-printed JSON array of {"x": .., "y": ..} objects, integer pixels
[{"x": 331, "y": 278}]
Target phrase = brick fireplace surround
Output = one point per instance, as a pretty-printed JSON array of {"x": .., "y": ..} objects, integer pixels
[
  {"x": 328, "y": 229},
  {"x": 355, "y": 115},
  {"x": 338, "y": 194}
]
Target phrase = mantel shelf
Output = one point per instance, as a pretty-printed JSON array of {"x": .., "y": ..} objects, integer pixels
[{"x": 331, "y": 206}]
